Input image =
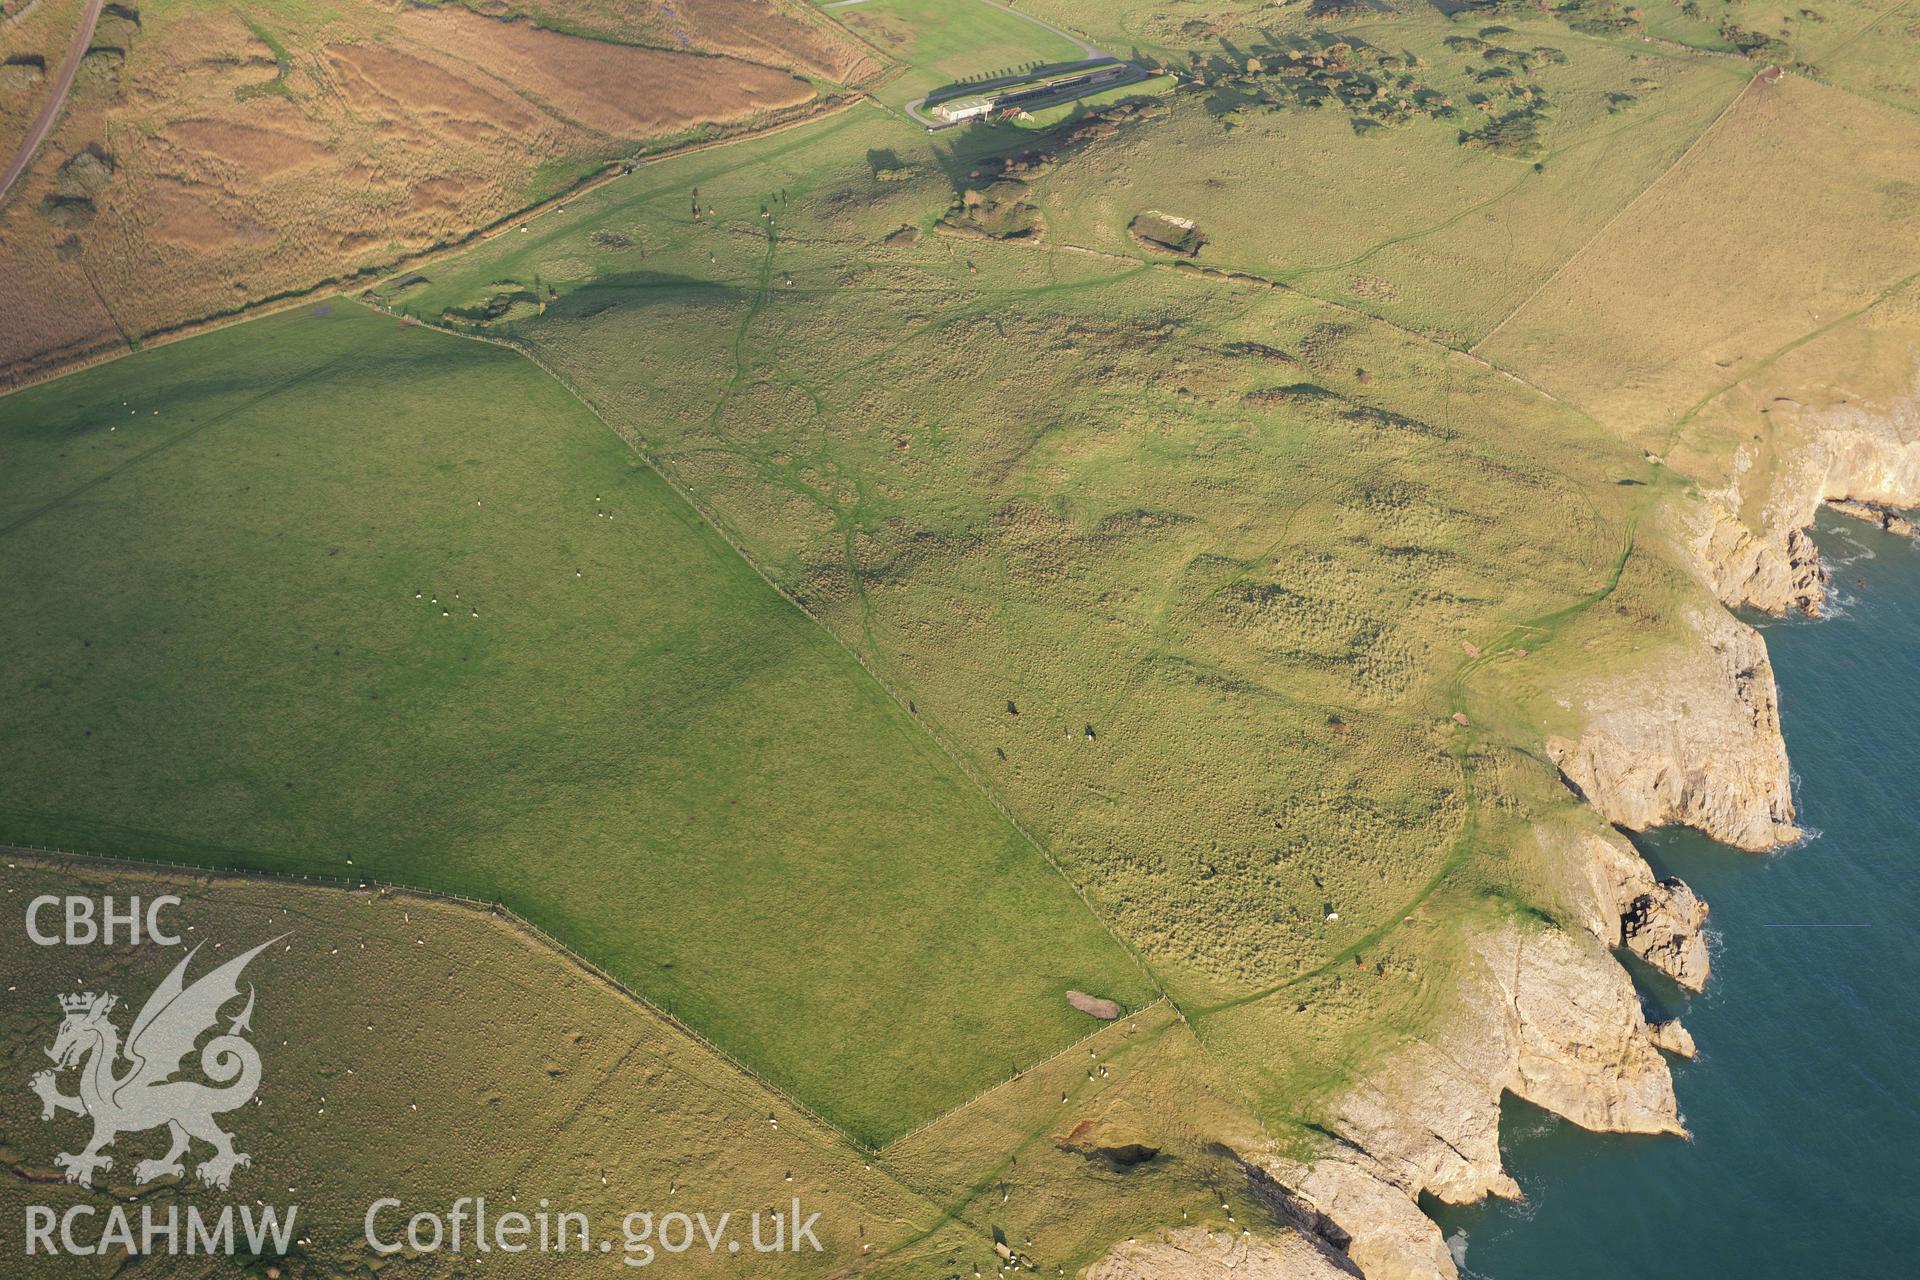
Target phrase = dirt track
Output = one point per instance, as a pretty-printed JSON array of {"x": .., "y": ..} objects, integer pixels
[{"x": 50, "y": 111}]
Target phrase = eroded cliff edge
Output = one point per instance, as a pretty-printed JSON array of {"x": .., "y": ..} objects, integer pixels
[
  {"x": 1547, "y": 1013},
  {"x": 1751, "y": 538},
  {"x": 1695, "y": 744}
]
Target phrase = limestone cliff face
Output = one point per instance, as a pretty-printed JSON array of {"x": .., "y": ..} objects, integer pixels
[
  {"x": 1696, "y": 742},
  {"x": 1666, "y": 927},
  {"x": 1778, "y": 572},
  {"x": 1671, "y": 1037},
  {"x": 1621, "y": 903},
  {"x": 1548, "y": 1014},
  {"x": 1750, "y": 538},
  {"x": 1391, "y": 1238},
  {"x": 1545, "y": 1014}
]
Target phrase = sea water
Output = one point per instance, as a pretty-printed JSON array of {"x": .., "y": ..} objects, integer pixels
[{"x": 1804, "y": 1103}]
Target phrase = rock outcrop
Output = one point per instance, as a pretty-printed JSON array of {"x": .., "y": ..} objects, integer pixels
[
  {"x": 1749, "y": 539},
  {"x": 1875, "y": 514},
  {"x": 1095, "y": 1006},
  {"x": 1547, "y": 1015},
  {"x": 1665, "y": 926},
  {"x": 1696, "y": 743},
  {"x": 1671, "y": 1037},
  {"x": 1619, "y": 901},
  {"x": 1391, "y": 1238},
  {"x": 1775, "y": 572},
  {"x": 1195, "y": 1253}
]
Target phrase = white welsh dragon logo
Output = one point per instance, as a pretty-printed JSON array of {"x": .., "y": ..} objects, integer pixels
[{"x": 145, "y": 1095}]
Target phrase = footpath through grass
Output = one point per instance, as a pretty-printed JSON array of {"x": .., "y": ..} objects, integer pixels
[{"x": 323, "y": 593}]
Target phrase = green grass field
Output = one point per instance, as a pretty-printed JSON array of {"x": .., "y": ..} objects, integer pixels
[
  {"x": 1238, "y": 534},
  {"x": 239, "y": 629},
  {"x": 478, "y": 1063},
  {"x": 1252, "y": 537},
  {"x": 948, "y": 41},
  {"x": 1246, "y": 583}
]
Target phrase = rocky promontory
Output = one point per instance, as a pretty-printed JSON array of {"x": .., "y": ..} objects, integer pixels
[
  {"x": 1695, "y": 743},
  {"x": 1671, "y": 1037},
  {"x": 1749, "y": 539},
  {"x": 1689, "y": 735},
  {"x": 1623, "y": 904},
  {"x": 1546, "y": 1015}
]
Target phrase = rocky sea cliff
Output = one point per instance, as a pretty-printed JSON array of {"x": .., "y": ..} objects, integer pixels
[{"x": 1550, "y": 1015}]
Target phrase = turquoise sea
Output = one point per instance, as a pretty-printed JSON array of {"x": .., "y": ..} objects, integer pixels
[{"x": 1805, "y": 1100}]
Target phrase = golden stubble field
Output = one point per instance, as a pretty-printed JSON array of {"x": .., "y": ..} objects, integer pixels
[
  {"x": 214, "y": 155},
  {"x": 423, "y": 1050},
  {"x": 1781, "y": 221}
]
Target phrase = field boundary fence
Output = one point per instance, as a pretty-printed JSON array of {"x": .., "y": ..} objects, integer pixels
[
  {"x": 513, "y": 919},
  {"x": 1022, "y": 1072},
  {"x": 733, "y": 540},
  {"x": 498, "y": 910}
]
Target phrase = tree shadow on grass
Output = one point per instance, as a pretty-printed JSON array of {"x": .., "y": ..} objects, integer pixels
[{"x": 636, "y": 289}]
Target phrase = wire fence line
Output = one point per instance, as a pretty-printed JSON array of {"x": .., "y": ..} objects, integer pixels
[
  {"x": 714, "y": 521},
  {"x": 501, "y": 911},
  {"x": 498, "y": 910},
  {"x": 1021, "y": 1073}
]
